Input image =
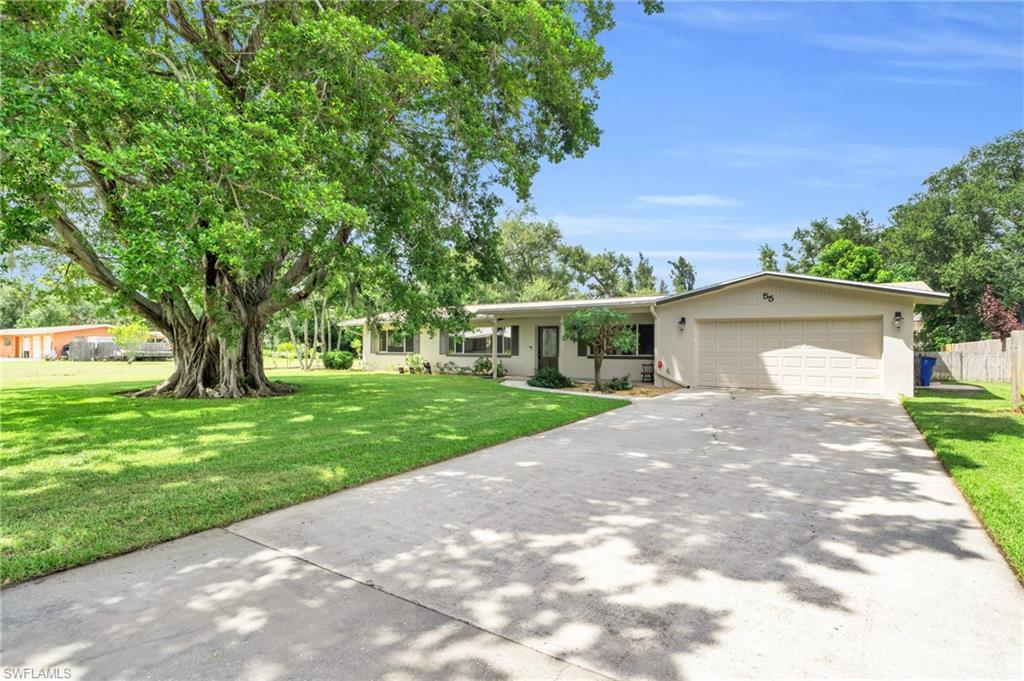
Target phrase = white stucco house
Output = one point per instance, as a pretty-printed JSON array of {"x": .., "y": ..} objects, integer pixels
[{"x": 770, "y": 330}]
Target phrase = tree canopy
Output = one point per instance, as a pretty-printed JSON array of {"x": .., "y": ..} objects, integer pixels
[
  {"x": 602, "y": 330},
  {"x": 962, "y": 233},
  {"x": 844, "y": 259},
  {"x": 211, "y": 163},
  {"x": 683, "y": 275}
]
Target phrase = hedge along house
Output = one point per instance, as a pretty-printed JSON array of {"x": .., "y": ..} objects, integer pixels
[{"x": 770, "y": 330}]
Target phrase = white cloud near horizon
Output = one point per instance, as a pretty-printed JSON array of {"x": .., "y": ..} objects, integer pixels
[{"x": 688, "y": 200}]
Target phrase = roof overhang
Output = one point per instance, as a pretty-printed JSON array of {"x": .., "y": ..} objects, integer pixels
[
  {"x": 488, "y": 311},
  {"x": 918, "y": 295}
]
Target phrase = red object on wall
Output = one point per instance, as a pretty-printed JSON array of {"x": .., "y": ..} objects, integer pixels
[{"x": 660, "y": 365}]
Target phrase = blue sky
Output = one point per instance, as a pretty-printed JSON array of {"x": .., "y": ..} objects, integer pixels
[{"x": 729, "y": 124}]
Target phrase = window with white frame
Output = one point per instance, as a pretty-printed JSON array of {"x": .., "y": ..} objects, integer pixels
[
  {"x": 478, "y": 341},
  {"x": 389, "y": 340}
]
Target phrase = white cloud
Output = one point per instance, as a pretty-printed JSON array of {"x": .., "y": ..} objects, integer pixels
[
  {"x": 720, "y": 18},
  {"x": 826, "y": 183},
  {"x": 939, "y": 43},
  {"x": 695, "y": 254},
  {"x": 924, "y": 80},
  {"x": 688, "y": 200}
]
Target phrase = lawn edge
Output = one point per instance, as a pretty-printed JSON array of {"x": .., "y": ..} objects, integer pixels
[
  {"x": 1018, "y": 573},
  {"x": 612, "y": 405}
]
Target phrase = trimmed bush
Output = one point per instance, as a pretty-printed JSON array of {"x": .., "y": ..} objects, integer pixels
[
  {"x": 549, "y": 377},
  {"x": 337, "y": 359}
]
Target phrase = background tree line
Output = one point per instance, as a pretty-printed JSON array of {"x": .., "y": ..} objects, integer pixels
[{"x": 962, "y": 233}]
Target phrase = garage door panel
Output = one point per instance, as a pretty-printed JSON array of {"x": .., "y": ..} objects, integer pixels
[{"x": 821, "y": 355}]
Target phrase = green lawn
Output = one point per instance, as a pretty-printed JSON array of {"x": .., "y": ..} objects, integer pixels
[
  {"x": 87, "y": 474},
  {"x": 981, "y": 442}
]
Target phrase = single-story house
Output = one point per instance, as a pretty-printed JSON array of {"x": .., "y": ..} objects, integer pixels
[
  {"x": 769, "y": 330},
  {"x": 43, "y": 341}
]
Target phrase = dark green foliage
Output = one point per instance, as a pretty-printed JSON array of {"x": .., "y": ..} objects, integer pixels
[
  {"x": 683, "y": 275},
  {"x": 550, "y": 377},
  {"x": 803, "y": 252},
  {"x": 337, "y": 359},
  {"x": 620, "y": 383},
  {"x": 212, "y": 163}
]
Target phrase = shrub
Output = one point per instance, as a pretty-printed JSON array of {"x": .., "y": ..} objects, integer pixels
[
  {"x": 482, "y": 367},
  {"x": 414, "y": 362},
  {"x": 337, "y": 359},
  {"x": 621, "y": 383},
  {"x": 550, "y": 377}
]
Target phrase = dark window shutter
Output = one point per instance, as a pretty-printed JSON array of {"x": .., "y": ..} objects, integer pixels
[
  {"x": 413, "y": 343},
  {"x": 379, "y": 341},
  {"x": 581, "y": 349},
  {"x": 444, "y": 342},
  {"x": 515, "y": 341}
]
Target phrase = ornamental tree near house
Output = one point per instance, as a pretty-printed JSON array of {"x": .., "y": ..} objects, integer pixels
[
  {"x": 997, "y": 318},
  {"x": 130, "y": 337},
  {"x": 601, "y": 330},
  {"x": 210, "y": 163}
]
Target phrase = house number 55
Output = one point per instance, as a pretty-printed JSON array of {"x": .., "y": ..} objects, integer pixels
[{"x": 767, "y": 296}]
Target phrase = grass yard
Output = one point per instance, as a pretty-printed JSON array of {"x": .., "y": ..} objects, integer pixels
[
  {"x": 981, "y": 442},
  {"x": 88, "y": 474}
]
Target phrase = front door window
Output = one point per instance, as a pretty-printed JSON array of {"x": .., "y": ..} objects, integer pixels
[{"x": 547, "y": 350}]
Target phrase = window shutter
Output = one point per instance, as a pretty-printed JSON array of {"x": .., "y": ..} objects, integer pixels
[
  {"x": 581, "y": 349},
  {"x": 415, "y": 344},
  {"x": 444, "y": 342},
  {"x": 515, "y": 341}
]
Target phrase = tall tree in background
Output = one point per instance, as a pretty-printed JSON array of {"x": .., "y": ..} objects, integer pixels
[
  {"x": 683, "y": 275},
  {"x": 801, "y": 254},
  {"x": 767, "y": 258},
  {"x": 604, "y": 275},
  {"x": 530, "y": 252},
  {"x": 644, "y": 281},
  {"x": 963, "y": 232},
  {"x": 211, "y": 163}
]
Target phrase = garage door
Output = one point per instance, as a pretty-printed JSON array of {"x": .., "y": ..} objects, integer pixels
[{"x": 801, "y": 355}]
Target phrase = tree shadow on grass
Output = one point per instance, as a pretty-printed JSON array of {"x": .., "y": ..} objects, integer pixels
[
  {"x": 139, "y": 471},
  {"x": 632, "y": 544}
]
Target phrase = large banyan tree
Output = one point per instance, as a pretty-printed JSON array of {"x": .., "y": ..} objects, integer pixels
[{"x": 211, "y": 162}]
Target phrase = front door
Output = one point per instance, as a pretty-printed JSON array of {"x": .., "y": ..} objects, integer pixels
[{"x": 547, "y": 347}]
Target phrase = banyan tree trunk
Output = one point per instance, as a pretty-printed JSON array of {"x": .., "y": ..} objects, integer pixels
[{"x": 208, "y": 364}]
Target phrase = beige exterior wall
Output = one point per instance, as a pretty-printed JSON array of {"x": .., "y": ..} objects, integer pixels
[
  {"x": 677, "y": 350},
  {"x": 522, "y": 364}
]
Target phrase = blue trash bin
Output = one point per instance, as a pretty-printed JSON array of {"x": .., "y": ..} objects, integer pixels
[{"x": 927, "y": 367}]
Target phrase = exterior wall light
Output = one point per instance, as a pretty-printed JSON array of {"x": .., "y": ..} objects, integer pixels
[
  {"x": 682, "y": 324},
  {"x": 897, "y": 319}
]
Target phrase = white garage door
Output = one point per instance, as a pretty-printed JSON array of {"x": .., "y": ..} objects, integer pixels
[{"x": 800, "y": 355}]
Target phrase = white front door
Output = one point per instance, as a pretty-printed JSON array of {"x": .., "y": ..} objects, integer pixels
[{"x": 799, "y": 355}]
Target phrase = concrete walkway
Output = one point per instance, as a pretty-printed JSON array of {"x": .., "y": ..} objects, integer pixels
[{"x": 695, "y": 535}]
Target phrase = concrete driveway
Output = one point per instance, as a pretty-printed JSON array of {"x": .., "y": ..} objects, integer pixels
[{"x": 697, "y": 535}]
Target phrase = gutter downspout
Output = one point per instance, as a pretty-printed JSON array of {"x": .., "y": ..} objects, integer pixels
[{"x": 657, "y": 371}]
